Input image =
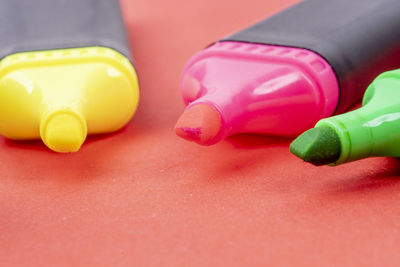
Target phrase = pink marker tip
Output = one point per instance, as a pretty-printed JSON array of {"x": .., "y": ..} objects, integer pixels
[{"x": 200, "y": 123}]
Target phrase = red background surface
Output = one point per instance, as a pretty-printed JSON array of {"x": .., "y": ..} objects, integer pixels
[{"x": 143, "y": 197}]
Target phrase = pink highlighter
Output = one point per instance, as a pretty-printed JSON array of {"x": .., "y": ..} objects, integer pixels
[{"x": 282, "y": 75}]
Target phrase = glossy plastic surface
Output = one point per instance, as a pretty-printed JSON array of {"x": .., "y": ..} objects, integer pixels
[
  {"x": 374, "y": 129},
  {"x": 62, "y": 95},
  {"x": 261, "y": 88}
]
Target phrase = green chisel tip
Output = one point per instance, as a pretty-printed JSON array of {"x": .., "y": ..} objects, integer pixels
[{"x": 318, "y": 146}]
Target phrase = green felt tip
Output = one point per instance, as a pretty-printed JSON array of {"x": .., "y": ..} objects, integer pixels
[{"x": 318, "y": 146}]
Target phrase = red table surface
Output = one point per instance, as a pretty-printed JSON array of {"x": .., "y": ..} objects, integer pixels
[{"x": 143, "y": 197}]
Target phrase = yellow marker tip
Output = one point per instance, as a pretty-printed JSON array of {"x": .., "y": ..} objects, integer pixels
[{"x": 64, "y": 132}]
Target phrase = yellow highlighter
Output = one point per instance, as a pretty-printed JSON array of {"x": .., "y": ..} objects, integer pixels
[{"x": 65, "y": 71}]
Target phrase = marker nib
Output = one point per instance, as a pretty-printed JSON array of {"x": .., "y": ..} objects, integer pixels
[
  {"x": 64, "y": 133},
  {"x": 318, "y": 146},
  {"x": 200, "y": 123}
]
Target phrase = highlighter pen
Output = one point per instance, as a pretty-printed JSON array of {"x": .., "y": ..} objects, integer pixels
[
  {"x": 65, "y": 71},
  {"x": 370, "y": 131},
  {"x": 282, "y": 75}
]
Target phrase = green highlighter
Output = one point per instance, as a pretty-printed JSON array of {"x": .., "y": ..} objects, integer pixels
[{"x": 370, "y": 131}]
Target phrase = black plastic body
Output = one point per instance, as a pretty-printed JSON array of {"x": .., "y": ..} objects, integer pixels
[
  {"x": 359, "y": 38},
  {"x": 34, "y": 25}
]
